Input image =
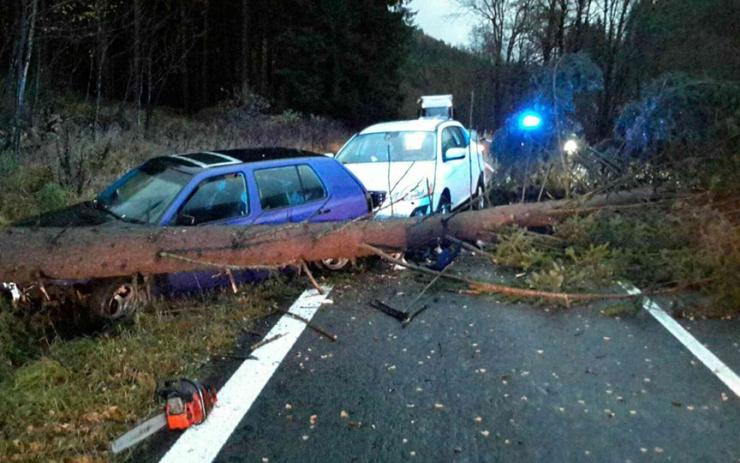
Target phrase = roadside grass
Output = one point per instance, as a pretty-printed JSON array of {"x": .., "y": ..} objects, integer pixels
[{"x": 68, "y": 404}]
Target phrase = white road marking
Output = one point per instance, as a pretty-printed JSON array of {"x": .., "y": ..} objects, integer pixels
[
  {"x": 201, "y": 444},
  {"x": 715, "y": 365}
]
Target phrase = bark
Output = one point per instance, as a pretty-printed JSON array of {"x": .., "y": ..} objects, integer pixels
[{"x": 29, "y": 254}]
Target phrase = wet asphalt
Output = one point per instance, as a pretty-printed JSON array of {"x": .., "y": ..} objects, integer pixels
[{"x": 479, "y": 379}]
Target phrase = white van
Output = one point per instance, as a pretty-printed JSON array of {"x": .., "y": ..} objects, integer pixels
[
  {"x": 436, "y": 107},
  {"x": 422, "y": 166}
]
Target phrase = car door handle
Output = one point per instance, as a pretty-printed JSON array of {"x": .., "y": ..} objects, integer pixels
[{"x": 324, "y": 211}]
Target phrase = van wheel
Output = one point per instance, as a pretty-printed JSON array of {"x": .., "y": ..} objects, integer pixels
[
  {"x": 335, "y": 264},
  {"x": 445, "y": 205},
  {"x": 116, "y": 299}
]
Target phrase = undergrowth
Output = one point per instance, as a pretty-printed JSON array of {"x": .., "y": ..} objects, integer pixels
[
  {"x": 68, "y": 401},
  {"x": 683, "y": 245},
  {"x": 63, "y": 160}
]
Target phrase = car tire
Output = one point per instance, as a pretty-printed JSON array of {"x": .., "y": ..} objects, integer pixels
[
  {"x": 335, "y": 264},
  {"x": 116, "y": 299},
  {"x": 445, "y": 205},
  {"x": 479, "y": 200}
]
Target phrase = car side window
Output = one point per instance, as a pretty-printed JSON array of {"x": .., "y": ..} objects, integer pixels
[
  {"x": 313, "y": 189},
  {"x": 288, "y": 186},
  {"x": 279, "y": 187},
  {"x": 448, "y": 140},
  {"x": 216, "y": 198},
  {"x": 460, "y": 137}
]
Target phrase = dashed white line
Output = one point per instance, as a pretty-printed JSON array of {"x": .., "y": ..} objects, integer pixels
[
  {"x": 201, "y": 444},
  {"x": 715, "y": 365}
]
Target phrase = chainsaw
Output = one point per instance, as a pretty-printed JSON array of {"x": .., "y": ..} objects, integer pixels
[{"x": 187, "y": 403}]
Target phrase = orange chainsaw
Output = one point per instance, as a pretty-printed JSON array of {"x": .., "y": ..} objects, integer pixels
[{"x": 187, "y": 403}]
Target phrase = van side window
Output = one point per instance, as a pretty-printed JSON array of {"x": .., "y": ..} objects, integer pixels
[{"x": 216, "y": 198}]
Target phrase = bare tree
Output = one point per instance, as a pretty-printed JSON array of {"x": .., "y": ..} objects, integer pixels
[
  {"x": 137, "y": 69},
  {"x": 612, "y": 18},
  {"x": 505, "y": 24},
  {"x": 25, "y": 50}
]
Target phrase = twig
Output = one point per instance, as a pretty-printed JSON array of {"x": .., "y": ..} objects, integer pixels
[
  {"x": 429, "y": 285},
  {"x": 232, "y": 281},
  {"x": 206, "y": 263},
  {"x": 311, "y": 278},
  {"x": 261, "y": 343},
  {"x": 485, "y": 287},
  {"x": 240, "y": 357},
  {"x": 318, "y": 329},
  {"x": 469, "y": 246}
]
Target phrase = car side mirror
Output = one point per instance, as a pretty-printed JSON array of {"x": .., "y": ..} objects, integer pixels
[
  {"x": 377, "y": 198},
  {"x": 454, "y": 153},
  {"x": 185, "y": 219}
]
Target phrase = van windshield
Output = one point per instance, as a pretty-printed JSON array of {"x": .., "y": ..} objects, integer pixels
[{"x": 407, "y": 146}]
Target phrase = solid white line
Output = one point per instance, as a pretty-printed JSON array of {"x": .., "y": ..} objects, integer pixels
[
  {"x": 715, "y": 365},
  {"x": 201, "y": 444}
]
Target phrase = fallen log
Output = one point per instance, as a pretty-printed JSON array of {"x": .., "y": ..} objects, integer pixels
[{"x": 37, "y": 254}]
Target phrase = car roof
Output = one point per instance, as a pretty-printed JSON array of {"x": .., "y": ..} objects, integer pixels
[
  {"x": 414, "y": 125},
  {"x": 220, "y": 158}
]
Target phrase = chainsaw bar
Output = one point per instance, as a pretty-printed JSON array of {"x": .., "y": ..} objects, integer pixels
[{"x": 139, "y": 433}]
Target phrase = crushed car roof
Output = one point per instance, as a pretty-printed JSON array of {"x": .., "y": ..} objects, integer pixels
[{"x": 208, "y": 159}]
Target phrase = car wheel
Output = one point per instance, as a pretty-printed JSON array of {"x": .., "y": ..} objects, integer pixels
[
  {"x": 335, "y": 264},
  {"x": 445, "y": 206},
  {"x": 479, "y": 200},
  {"x": 116, "y": 299}
]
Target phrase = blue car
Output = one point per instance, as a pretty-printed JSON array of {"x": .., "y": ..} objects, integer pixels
[{"x": 225, "y": 187}]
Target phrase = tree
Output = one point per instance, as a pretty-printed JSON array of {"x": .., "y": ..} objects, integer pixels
[
  {"x": 24, "y": 53},
  {"x": 35, "y": 252}
]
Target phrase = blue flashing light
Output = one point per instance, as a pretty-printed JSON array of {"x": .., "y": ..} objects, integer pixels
[{"x": 529, "y": 120}]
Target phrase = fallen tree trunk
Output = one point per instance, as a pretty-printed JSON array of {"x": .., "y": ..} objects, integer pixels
[{"x": 28, "y": 254}]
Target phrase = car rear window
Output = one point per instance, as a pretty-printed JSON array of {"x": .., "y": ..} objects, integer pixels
[{"x": 288, "y": 186}]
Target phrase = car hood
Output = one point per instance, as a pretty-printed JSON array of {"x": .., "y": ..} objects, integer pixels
[
  {"x": 404, "y": 176},
  {"x": 78, "y": 215}
]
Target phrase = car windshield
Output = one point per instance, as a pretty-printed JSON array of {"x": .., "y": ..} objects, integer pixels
[
  {"x": 398, "y": 146},
  {"x": 144, "y": 194}
]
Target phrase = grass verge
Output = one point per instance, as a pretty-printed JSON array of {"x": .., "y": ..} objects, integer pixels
[{"x": 68, "y": 404}]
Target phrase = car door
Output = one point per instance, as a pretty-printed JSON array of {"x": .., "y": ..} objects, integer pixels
[
  {"x": 467, "y": 175},
  {"x": 292, "y": 193},
  {"x": 454, "y": 172},
  {"x": 219, "y": 199}
]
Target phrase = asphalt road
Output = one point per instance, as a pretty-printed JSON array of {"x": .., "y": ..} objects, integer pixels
[{"x": 475, "y": 379}]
